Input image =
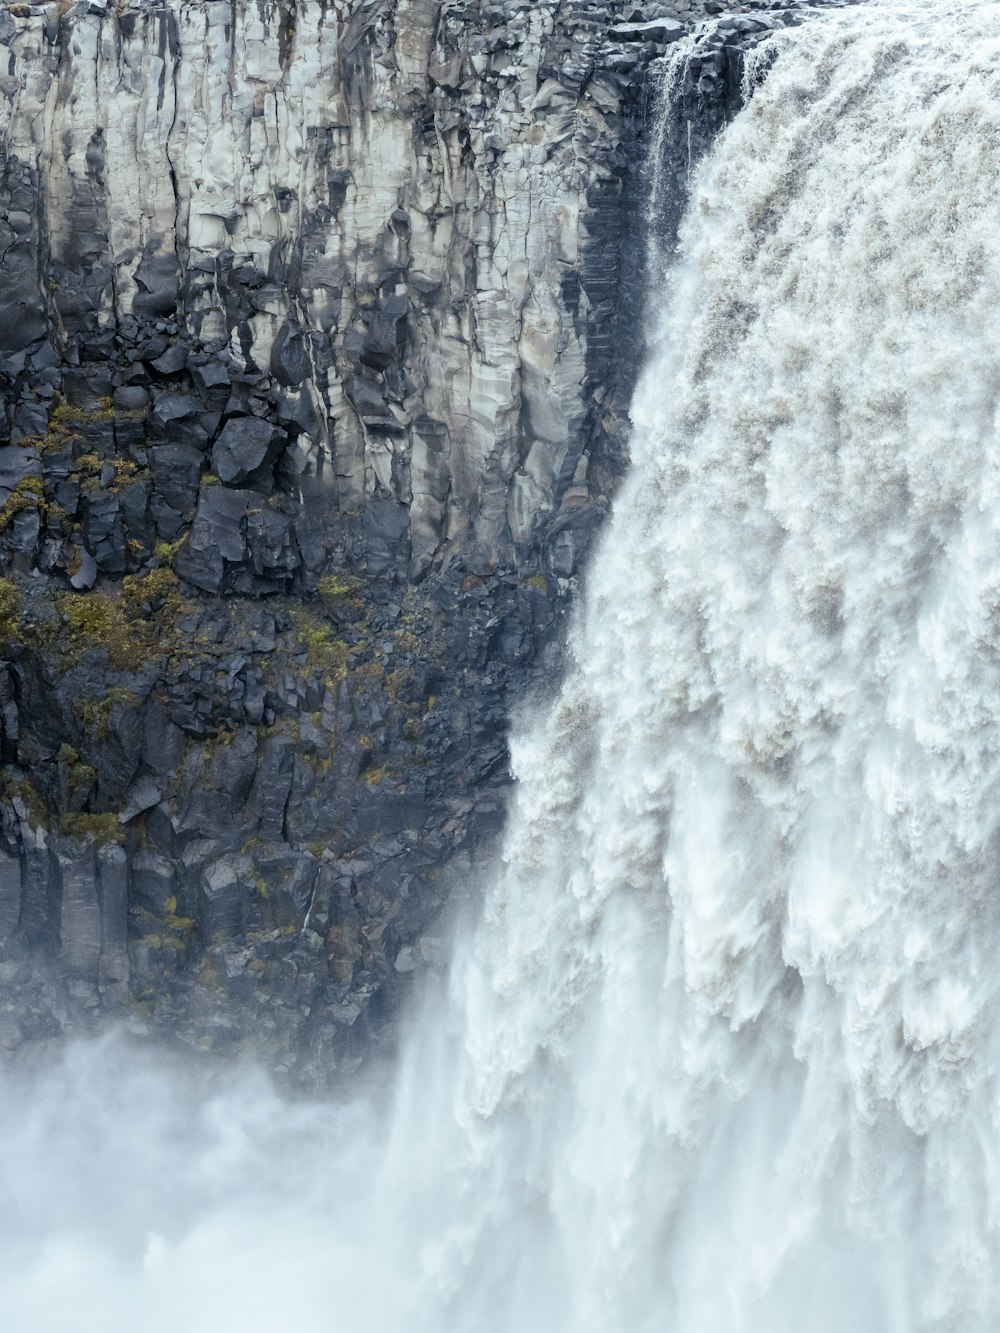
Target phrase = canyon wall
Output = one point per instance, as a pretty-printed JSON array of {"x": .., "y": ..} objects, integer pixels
[{"x": 320, "y": 325}]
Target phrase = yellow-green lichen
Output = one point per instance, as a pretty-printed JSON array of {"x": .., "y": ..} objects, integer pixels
[
  {"x": 324, "y": 650},
  {"x": 10, "y": 611},
  {"x": 29, "y": 493},
  {"x": 342, "y": 593},
  {"x": 89, "y": 827},
  {"x": 95, "y": 714},
  {"x": 98, "y": 620}
]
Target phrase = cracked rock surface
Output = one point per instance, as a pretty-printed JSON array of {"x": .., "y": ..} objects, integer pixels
[{"x": 320, "y": 323}]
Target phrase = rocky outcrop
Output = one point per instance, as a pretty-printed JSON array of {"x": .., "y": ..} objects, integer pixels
[
  {"x": 354, "y": 254},
  {"x": 321, "y": 324}
]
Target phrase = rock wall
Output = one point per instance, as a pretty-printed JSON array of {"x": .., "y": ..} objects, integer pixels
[
  {"x": 361, "y": 249},
  {"x": 321, "y": 322}
]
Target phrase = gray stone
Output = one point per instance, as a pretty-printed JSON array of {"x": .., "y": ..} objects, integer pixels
[
  {"x": 653, "y": 30},
  {"x": 176, "y": 472},
  {"x": 10, "y": 894},
  {"x": 404, "y": 344},
  {"x": 112, "y": 864},
  {"x": 85, "y": 574},
  {"x": 80, "y": 916},
  {"x": 242, "y": 447},
  {"x": 141, "y": 796}
]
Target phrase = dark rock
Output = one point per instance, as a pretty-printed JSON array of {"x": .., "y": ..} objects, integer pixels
[
  {"x": 243, "y": 446},
  {"x": 171, "y": 361},
  {"x": 384, "y": 444},
  {"x": 216, "y": 537},
  {"x": 10, "y": 895},
  {"x": 80, "y": 916},
  {"x": 176, "y": 471}
]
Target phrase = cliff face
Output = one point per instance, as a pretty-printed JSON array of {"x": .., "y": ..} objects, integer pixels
[
  {"x": 387, "y": 231},
  {"x": 321, "y": 320}
]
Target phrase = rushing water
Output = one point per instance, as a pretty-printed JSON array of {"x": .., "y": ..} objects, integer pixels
[{"x": 723, "y": 1053}]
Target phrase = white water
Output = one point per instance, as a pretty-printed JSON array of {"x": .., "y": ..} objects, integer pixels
[{"x": 722, "y": 1055}]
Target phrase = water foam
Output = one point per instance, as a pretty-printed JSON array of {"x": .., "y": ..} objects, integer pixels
[{"x": 722, "y": 1054}]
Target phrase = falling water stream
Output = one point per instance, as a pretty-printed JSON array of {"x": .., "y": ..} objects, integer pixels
[{"x": 722, "y": 1054}]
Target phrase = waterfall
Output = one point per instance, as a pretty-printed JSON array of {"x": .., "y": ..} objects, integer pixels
[{"x": 722, "y": 1054}]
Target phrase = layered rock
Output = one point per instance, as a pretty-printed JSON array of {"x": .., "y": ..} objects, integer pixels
[{"x": 322, "y": 321}]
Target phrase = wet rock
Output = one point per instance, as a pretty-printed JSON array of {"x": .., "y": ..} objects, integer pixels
[
  {"x": 653, "y": 30},
  {"x": 10, "y": 895},
  {"x": 316, "y": 441},
  {"x": 242, "y": 447},
  {"x": 80, "y": 916}
]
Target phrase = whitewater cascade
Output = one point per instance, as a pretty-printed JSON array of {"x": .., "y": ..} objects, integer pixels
[{"x": 722, "y": 1054}]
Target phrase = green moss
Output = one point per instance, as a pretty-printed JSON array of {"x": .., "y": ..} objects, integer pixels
[
  {"x": 64, "y": 418},
  {"x": 324, "y": 650},
  {"x": 157, "y": 591},
  {"x": 536, "y": 581},
  {"x": 321, "y": 765},
  {"x": 165, "y": 551},
  {"x": 407, "y": 642},
  {"x": 29, "y": 493},
  {"x": 66, "y": 424},
  {"x": 99, "y": 828},
  {"x": 10, "y": 611},
  {"x": 161, "y": 942},
  {"x": 61, "y": 416},
  {"x": 98, "y": 620},
  {"x": 81, "y": 781},
  {"x": 181, "y": 925},
  {"x": 341, "y": 592},
  {"x": 95, "y": 714},
  {"x": 31, "y": 798},
  {"x": 411, "y": 729},
  {"x": 134, "y": 625},
  {"x": 126, "y": 472},
  {"x": 87, "y": 470}
]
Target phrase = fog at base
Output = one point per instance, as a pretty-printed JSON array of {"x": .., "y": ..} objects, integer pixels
[
  {"x": 141, "y": 1191},
  {"x": 722, "y": 1054}
]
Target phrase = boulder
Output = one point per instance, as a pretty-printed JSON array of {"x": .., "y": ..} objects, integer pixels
[{"x": 243, "y": 446}]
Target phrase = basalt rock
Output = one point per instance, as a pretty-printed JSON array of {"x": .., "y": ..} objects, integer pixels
[{"x": 320, "y": 324}]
